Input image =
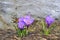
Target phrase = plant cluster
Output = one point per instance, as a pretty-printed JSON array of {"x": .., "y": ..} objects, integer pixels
[{"x": 24, "y": 23}]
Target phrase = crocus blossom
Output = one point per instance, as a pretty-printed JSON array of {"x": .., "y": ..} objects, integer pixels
[
  {"x": 26, "y": 20},
  {"x": 21, "y": 24},
  {"x": 49, "y": 20},
  {"x": 20, "y": 19}
]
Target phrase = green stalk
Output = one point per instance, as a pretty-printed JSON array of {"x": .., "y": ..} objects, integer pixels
[
  {"x": 45, "y": 30},
  {"x": 43, "y": 25}
]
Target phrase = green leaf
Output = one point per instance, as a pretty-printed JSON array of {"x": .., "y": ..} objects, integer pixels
[
  {"x": 46, "y": 32},
  {"x": 52, "y": 27},
  {"x": 25, "y": 32},
  {"x": 19, "y": 33},
  {"x": 22, "y": 33},
  {"x": 43, "y": 25}
]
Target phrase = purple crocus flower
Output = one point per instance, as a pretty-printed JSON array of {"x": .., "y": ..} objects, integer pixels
[
  {"x": 28, "y": 20},
  {"x": 49, "y": 20},
  {"x": 21, "y": 24},
  {"x": 20, "y": 19}
]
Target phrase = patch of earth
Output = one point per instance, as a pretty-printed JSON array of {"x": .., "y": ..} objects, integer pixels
[{"x": 35, "y": 29}]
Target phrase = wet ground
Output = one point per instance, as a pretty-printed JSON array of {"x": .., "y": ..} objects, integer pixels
[{"x": 35, "y": 33}]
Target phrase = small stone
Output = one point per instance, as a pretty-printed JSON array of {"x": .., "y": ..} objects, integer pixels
[{"x": 43, "y": 39}]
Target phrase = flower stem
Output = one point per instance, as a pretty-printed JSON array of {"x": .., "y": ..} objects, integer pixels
[
  {"x": 43, "y": 25},
  {"x": 45, "y": 30}
]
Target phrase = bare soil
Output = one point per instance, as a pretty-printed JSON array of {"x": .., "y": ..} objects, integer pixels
[{"x": 34, "y": 34}]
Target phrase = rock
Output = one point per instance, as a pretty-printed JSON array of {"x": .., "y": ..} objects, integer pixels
[
  {"x": 43, "y": 39},
  {"x": 37, "y": 8}
]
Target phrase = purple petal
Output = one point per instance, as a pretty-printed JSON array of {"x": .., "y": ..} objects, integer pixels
[
  {"x": 28, "y": 20},
  {"x": 49, "y": 20},
  {"x": 27, "y": 17},
  {"x": 20, "y": 19},
  {"x": 21, "y": 25}
]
